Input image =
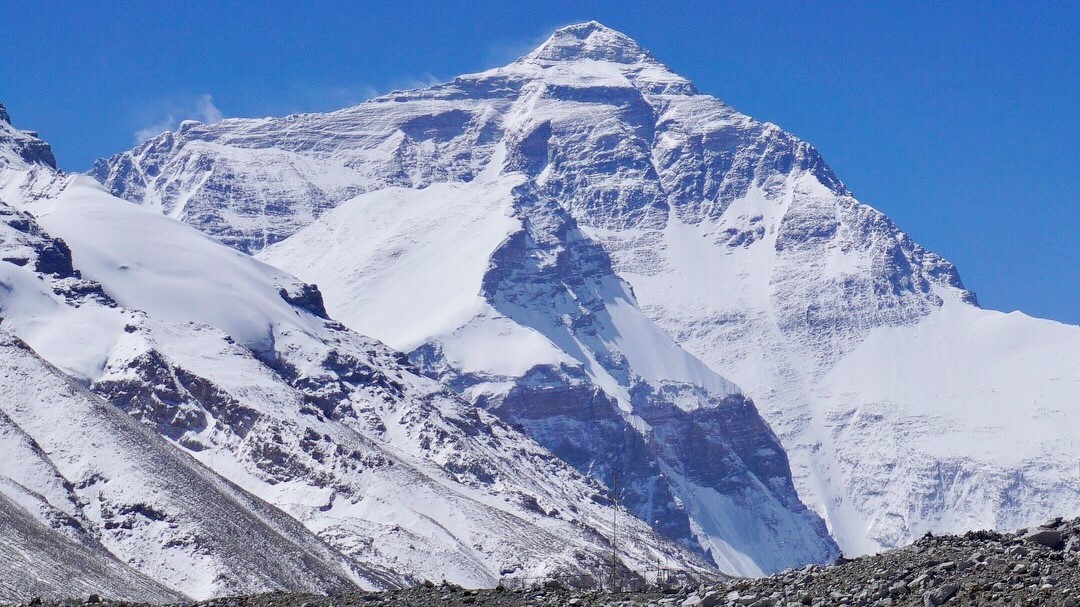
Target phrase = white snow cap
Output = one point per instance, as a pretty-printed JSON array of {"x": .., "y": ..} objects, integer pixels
[
  {"x": 590, "y": 40},
  {"x": 592, "y": 50}
]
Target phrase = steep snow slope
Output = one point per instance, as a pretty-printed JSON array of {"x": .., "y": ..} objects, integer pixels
[
  {"x": 526, "y": 319},
  {"x": 737, "y": 239},
  {"x": 47, "y": 547},
  {"x": 880, "y": 382},
  {"x": 235, "y": 362},
  {"x": 1005, "y": 459}
]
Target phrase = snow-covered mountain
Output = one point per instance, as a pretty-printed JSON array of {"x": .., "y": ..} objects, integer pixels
[
  {"x": 508, "y": 228},
  {"x": 377, "y": 476},
  {"x": 528, "y": 320}
]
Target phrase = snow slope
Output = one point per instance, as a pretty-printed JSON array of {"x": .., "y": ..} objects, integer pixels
[
  {"x": 235, "y": 362},
  {"x": 99, "y": 490},
  {"x": 520, "y": 313},
  {"x": 929, "y": 415},
  {"x": 738, "y": 241}
]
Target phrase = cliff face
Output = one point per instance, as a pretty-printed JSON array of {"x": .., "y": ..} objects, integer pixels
[{"x": 22, "y": 147}]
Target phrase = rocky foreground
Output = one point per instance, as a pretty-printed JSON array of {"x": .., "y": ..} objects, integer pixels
[{"x": 1036, "y": 566}]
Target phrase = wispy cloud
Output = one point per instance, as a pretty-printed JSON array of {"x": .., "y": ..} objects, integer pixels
[
  {"x": 150, "y": 130},
  {"x": 206, "y": 110},
  {"x": 501, "y": 52},
  {"x": 413, "y": 82},
  {"x": 307, "y": 96},
  {"x": 201, "y": 108},
  {"x": 336, "y": 96}
]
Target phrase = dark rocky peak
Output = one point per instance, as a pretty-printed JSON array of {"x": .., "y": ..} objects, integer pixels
[
  {"x": 590, "y": 40},
  {"x": 24, "y": 146}
]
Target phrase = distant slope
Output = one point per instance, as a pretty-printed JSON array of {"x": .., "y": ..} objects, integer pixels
[{"x": 37, "y": 561}]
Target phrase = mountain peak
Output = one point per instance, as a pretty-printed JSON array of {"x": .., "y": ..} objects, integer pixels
[
  {"x": 590, "y": 40},
  {"x": 585, "y": 28},
  {"x": 18, "y": 147}
]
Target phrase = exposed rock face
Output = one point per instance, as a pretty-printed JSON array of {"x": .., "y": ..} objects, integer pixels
[
  {"x": 737, "y": 239},
  {"x": 696, "y": 437},
  {"x": 22, "y": 146},
  {"x": 22, "y": 240}
]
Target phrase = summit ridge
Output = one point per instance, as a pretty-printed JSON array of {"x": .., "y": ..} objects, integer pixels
[{"x": 590, "y": 40}]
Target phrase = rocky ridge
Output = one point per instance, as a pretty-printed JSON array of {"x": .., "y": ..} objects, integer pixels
[
  {"x": 22, "y": 146},
  {"x": 1033, "y": 566}
]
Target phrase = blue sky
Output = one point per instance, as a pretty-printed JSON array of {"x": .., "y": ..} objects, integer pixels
[{"x": 960, "y": 120}]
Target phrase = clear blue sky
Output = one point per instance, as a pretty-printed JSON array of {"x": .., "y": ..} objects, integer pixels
[{"x": 960, "y": 120}]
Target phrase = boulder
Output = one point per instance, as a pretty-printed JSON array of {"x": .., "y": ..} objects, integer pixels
[
  {"x": 1051, "y": 538},
  {"x": 939, "y": 595}
]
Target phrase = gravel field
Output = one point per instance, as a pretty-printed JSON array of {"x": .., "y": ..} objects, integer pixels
[{"x": 1037, "y": 566}]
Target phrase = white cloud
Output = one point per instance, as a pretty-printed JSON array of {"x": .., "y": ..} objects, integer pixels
[
  {"x": 326, "y": 97},
  {"x": 501, "y": 52},
  {"x": 207, "y": 111},
  {"x": 201, "y": 108},
  {"x": 319, "y": 97},
  {"x": 152, "y": 130},
  {"x": 416, "y": 82}
]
